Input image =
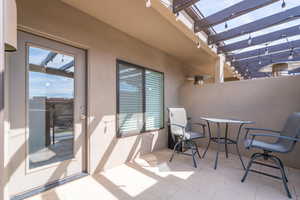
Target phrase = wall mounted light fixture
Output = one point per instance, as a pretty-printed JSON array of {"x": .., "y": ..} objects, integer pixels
[{"x": 198, "y": 79}]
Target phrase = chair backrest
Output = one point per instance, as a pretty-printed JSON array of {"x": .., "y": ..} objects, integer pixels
[
  {"x": 177, "y": 116},
  {"x": 291, "y": 129}
]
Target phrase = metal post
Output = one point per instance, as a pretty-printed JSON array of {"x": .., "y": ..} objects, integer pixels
[
  {"x": 226, "y": 135},
  {"x": 209, "y": 139},
  {"x": 237, "y": 146},
  {"x": 218, "y": 143}
]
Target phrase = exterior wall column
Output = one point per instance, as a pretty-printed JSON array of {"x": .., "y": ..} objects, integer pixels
[
  {"x": 8, "y": 43},
  {"x": 2, "y": 149},
  {"x": 219, "y": 69}
]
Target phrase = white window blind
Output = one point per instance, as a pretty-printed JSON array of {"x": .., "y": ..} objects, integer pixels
[
  {"x": 140, "y": 99},
  {"x": 154, "y": 99},
  {"x": 130, "y": 99}
]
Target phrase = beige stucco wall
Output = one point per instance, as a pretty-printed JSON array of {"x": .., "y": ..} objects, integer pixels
[
  {"x": 268, "y": 102},
  {"x": 105, "y": 44},
  {"x": 10, "y": 23}
]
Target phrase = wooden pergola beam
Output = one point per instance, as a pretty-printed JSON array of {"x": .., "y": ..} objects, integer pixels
[
  {"x": 261, "y": 51},
  {"x": 259, "y": 75},
  {"x": 253, "y": 63},
  {"x": 287, "y": 32},
  {"x": 49, "y": 57},
  {"x": 195, "y": 16},
  {"x": 231, "y": 12},
  {"x": 67, "y": 66},
  {"x": 49, "y": 70},
  {"x": 295, "y": 71},
  {"x": 179, "y": 5},
  {"x": 257, "y": 25}
]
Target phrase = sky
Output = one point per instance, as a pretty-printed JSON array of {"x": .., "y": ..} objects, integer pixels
[{"x": 208, "y": 7}]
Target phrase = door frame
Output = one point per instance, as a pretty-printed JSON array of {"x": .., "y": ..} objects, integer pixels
[{"x": 86, "y": 166}]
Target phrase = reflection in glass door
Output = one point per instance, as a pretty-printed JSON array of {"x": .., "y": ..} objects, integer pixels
[{"x": 50, "y": 106}]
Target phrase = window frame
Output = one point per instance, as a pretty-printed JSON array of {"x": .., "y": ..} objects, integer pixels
[{"x": 134, "y": 133}]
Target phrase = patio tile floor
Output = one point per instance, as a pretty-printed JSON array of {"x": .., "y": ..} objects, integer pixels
[{"x": 152, "y": 177}]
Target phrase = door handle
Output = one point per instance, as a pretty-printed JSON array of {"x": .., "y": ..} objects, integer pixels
[{"x": 82, "y": 116}]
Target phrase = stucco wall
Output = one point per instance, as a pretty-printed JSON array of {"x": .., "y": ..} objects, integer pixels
[
  {"x": 105, "y": 44},
  {"x": 268, "y": 102}
]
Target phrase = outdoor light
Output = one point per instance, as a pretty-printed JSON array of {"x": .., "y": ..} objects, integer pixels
[
  {"x": 232, "y": 68},
  {"x": 199, "y": 82},
  {"x": 266, "y": 50},
  {"x": 259, "y": 62},
  {"x": 198, "y": 79},
  {"x": 291, "y": 56},
  {"x": 148, "y": 3},
  {"x": 198, "y": 45},
  {"x": 177, "y": 16},
  {"x": 249, "y": 40},
  {"x": 283, "y": 5}
]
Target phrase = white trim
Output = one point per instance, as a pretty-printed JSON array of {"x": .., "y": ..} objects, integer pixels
[{"x": 87, "y": 63}]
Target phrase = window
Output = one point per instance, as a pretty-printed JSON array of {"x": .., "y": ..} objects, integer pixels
[{"x": 140, "y": 99}]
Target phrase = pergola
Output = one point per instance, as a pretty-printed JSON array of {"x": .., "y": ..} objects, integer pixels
[
  {"x": 248, "y": 61},
  {"x": 63, "y": 70}
]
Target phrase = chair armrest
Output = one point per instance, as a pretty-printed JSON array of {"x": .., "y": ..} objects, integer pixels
[
  {"x": 248, "y": 129},
  {"x": 200, "y": 124},
  {"x": 178, "y": 125},
  {"x": 203, "y": 127},
  {"x": 260, "y": 129},
  {"x": 276, "y": 136}
]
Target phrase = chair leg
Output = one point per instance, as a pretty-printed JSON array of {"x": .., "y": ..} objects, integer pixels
[
  {"x": 197, "y": 150},
  {"x": 193, "y": 155},
  {"x": 283, "y": 175},
  {"x": 281, "y": 164},
  {"x": 209, "y": 139},
  {"x": 206, "y": 148},
  {"x": 174, "y": 150},
  {"x": 253, "y": 157}
]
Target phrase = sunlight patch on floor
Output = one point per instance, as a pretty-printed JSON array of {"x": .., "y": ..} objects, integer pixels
[
  {"x": 129, "y": 180},
  {"x": 153, "y": 177}
]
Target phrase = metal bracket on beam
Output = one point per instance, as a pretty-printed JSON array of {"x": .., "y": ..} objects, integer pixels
[{"x": 179, "y": 5}]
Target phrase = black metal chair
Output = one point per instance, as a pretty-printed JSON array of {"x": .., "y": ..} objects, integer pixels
[
  {"x": 182, "y": 133},
  {"x": 285, "y": 143}
]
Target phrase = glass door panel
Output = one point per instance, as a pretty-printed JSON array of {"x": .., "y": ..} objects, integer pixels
[{"x": 51, "y": 106}]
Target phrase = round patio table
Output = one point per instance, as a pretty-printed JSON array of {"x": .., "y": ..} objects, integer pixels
[{"x": 224, "y": 140}]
